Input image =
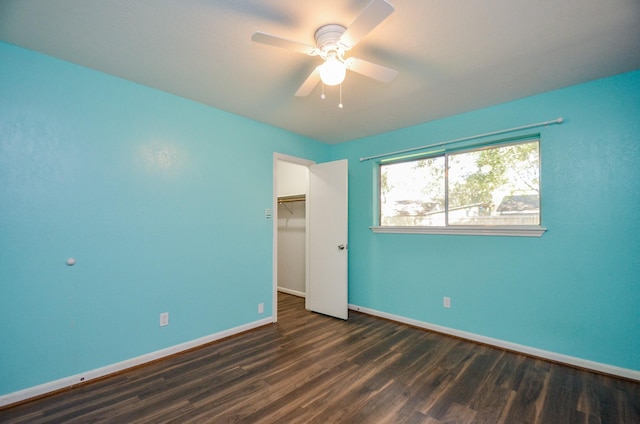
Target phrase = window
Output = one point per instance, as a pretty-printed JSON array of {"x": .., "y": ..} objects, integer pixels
[{"x": 491, "y": 190}]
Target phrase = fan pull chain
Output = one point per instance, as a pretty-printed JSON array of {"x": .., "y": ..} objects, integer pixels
[{"x": 322, "y": 96}]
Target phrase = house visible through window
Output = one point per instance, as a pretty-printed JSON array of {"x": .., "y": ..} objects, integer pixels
[{"x": 497, "y": 185}]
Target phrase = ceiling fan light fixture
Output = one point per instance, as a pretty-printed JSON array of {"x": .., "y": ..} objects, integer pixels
[
  {"x": 332, "y": 71},
  {"x": 332, "y": 42}
]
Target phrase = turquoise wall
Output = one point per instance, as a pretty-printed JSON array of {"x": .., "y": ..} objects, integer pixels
[
  {"x": 575, "y": 290},
  {"x": 159, "y": 199}
]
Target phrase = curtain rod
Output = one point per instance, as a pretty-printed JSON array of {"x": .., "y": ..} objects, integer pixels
[{"x": 442, "y": 143}]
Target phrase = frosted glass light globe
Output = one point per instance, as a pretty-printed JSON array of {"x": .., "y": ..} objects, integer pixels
[{"x": 332, "y": 72}]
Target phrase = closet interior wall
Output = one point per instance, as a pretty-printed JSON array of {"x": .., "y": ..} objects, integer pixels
[{"x": 292, "y": 187}]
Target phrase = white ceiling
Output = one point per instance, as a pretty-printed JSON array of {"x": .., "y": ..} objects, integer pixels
[{"x": 452, "y": 56}]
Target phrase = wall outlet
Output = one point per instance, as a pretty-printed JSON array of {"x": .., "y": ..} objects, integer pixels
[
  {"x": 260, "y": 308},
  {"x": 446, "y": 302},
  {"x": 164, "y": 319}
]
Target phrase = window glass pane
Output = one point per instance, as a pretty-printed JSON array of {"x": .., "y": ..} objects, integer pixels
[
  {"x": 413, "y": 193},
  {"x": 495, "y": 186},
  {"x": 491, "y": 186}
]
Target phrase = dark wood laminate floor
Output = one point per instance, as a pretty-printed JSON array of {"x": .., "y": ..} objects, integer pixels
[{"x": 309, "y": 368}]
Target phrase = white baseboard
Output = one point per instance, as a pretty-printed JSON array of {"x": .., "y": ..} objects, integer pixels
[
  {"x": 62, "y": 383},
  {"x": 530, "y": 351},
  {"x": 293, "y": 292}
]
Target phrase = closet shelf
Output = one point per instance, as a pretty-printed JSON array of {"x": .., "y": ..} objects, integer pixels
[{"x": 293, "y": 198}]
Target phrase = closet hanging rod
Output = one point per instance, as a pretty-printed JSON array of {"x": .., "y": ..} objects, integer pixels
[
  {"x": 442, "y": 143},
  {"x": 295, "y": 198}
]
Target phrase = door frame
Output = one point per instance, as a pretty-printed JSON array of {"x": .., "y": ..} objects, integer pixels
[{"x": 298, "y": 161}]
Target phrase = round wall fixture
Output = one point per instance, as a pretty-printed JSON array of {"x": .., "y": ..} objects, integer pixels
[{"x": 71, "y": 261}]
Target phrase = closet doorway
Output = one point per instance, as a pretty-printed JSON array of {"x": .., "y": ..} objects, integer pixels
[
  {"x": 321, "y": 237},
  {"x": 292, "y": 193},
  {"x": 290, "y": 223}
]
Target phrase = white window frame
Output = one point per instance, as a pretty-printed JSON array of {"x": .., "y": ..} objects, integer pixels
[{"x": 485, "y": 230}]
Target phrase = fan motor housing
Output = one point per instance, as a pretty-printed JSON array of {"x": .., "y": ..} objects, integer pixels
[{"x": 327, "y": 37}]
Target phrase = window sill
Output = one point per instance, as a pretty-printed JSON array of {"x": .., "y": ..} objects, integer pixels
[{"x": 511, "y": 231}]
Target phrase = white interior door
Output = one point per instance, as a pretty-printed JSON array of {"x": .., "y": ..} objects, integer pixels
[{"x": 327, "y": 288}]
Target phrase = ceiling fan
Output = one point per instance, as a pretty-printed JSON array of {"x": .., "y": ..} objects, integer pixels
[{"x": 332, "y": 42}]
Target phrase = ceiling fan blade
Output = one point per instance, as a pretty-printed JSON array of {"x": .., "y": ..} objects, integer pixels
[
  {"x": 371, "y": 70},
  {"x": 272, "y": 40},
  {"x": 309, "y": 84},
  {"x": 371, "y": 17}
]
